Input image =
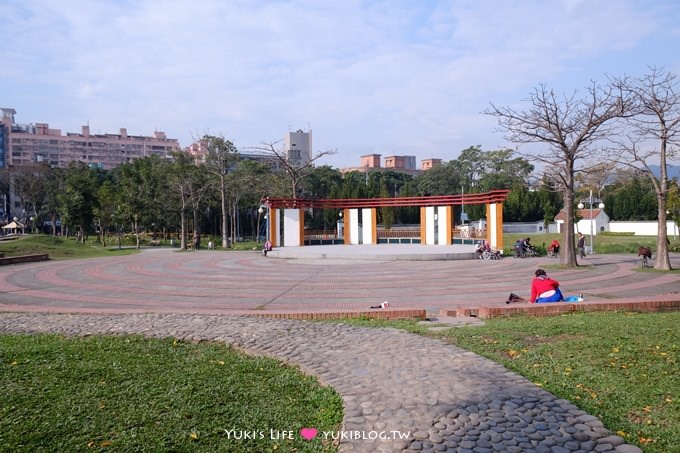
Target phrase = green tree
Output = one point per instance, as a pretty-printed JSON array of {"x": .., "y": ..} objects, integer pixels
[
  {"x": 386, "y": 213},
  {"x": 105, "y": 211},
  {"x": 630, "y": 197},
  {"x": 248, "y": 184},
  {"x": 442, "y": 180},
  {"x": 54, "y": 186},
  {"x": 29, "y": 189},
  {"x": 140, "y": 186},
  {"x": 79, "y": 198}
]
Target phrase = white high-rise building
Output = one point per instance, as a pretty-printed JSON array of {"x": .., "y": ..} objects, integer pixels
[{"x": 298, "y": 147}]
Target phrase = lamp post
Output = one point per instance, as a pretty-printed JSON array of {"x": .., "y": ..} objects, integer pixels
[
  {"x": 265, "y": 208},
  {"x": 590, "y": 201},
  {"x": 340, "y": 226}
]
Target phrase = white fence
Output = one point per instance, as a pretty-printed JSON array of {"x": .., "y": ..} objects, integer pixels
[{"x": 638, "y": 228}]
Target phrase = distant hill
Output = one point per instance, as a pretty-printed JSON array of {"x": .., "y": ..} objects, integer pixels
[{"x": 673, "y": 171}]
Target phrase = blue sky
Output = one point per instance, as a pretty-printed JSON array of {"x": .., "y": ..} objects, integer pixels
[{"x": 390, "y": 77}]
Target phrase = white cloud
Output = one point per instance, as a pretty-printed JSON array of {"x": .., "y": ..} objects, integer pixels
[{"x": 393, "y": 76}]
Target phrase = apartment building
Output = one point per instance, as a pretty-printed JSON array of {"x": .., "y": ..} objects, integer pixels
[
  {"x": 25, "y": 144},
  {"x": 402, "y": 164},
  {"x": 297, "y": 150}
]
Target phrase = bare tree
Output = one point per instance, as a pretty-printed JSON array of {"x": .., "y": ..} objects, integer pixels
[
  {"x": 568, "y": 127},
  {"x": 596, "y": 175},
  {"x": 221, "y": 158},
  {"x": 295, "y": 173},
  {"x": 654, "y": 139},
  {"x": 188, "y": 184}
]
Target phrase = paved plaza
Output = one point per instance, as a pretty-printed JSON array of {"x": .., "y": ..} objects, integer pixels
[
  {"x": 357, "y": 277},
  {"x": 390, "y": 380}
]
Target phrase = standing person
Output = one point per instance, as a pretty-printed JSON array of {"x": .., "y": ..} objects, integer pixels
[
  {"x": 581, "y": 245},
  {"x": 544, "y": 288}
]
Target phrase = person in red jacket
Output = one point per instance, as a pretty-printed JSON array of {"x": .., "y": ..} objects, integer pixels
[{"x": 544, "y": 288}]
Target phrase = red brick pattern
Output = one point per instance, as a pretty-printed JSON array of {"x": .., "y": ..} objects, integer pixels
[
  {"x": 373, "y": 314},
  {"x": 558, "y": 308}
]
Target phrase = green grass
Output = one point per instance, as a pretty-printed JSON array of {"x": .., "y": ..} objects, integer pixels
[
  {"x": 601, "y": 243},
  {"x": 58, "y": 247},
  {"x": 621, "y": 367},
  {"x": 137, "y": 394}
]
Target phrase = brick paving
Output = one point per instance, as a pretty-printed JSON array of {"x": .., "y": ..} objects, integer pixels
[
  {"x": 215, "y": 282},
  {"x": 446, "y": 398}
]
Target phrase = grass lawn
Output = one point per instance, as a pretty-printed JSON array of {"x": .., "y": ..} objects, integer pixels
[
  {"x": 58, "y": 247},
  {"x": 621, "y": 367},
  {"x": 602, "y": 243},
  {"x": 138, "y": 394}
]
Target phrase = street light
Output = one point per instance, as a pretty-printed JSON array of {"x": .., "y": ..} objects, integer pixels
[
  {"x": 265, "y": 208},
  {"x": 590, "y": 201}
]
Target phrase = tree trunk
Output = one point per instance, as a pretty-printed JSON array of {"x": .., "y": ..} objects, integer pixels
[
  {"x": 568, "y": 249},
  {"x": 223, "y": 194},
  {"x": 197, "y": 230},
  {"x": 663, "y": 261},
  {"x": 135, "y": 224},
  {"x": 183, "y": 229}
]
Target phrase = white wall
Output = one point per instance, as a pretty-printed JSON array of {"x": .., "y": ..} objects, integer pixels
[
  {"x": 524, "y": 227},
  {"x": 642, "y": 228}
]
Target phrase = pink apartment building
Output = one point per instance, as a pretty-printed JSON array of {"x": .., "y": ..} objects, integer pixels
[{"x": 25, "y": 144}]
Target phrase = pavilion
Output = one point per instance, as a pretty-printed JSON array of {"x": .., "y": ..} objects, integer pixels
[{"x": 285, "y": 217}]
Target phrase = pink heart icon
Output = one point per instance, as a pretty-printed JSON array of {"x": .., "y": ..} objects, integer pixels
[{"x": 308, "y": 433}]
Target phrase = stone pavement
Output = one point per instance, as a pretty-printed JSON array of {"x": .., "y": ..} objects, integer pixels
[
  {"x": 393, "y": 383},
  {"x": 446, "y": 398}
]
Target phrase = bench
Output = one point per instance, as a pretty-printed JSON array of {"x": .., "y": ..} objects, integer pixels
[{"x": 24, "y": 259}]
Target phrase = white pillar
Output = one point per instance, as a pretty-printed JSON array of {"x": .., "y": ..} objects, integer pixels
[
  {"x": 429, "y": 223},
  {"x": 367, "y": 226},
  {"x": 442, "y": 225},
  {"x": 353, "y": 226},
  {"x": 291, "y": 228}
]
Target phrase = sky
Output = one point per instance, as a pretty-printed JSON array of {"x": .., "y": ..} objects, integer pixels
[{"x": 397, "y": 77}]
